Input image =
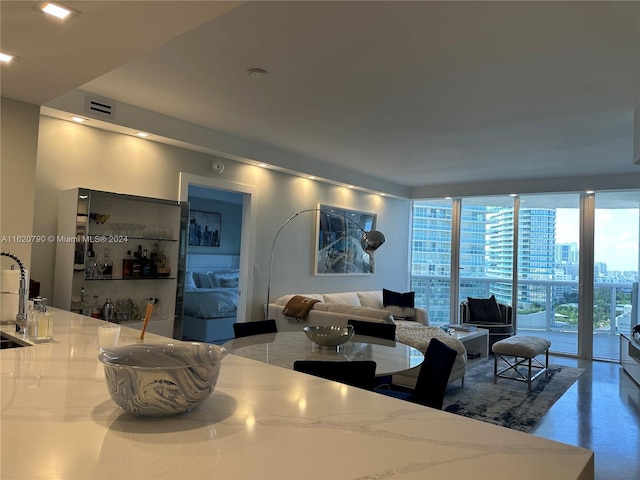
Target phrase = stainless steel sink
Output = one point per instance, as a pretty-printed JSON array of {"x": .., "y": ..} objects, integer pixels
[{"x": 7, "y": 341}]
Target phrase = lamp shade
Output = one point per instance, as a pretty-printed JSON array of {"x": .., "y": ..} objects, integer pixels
[{"x": 371, "y": 241}]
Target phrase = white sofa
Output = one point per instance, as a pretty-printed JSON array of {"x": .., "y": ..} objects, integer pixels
[{"x": 337, "y": 308}]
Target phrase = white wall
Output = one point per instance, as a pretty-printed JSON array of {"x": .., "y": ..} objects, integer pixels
[
  {"x": 71, "y": 155},
  {"x": 18, "y": 154}
]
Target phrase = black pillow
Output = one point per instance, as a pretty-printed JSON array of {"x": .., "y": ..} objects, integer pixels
[
  {"x": 484, "y": 310},
  {"x": 401, "y": 305}
]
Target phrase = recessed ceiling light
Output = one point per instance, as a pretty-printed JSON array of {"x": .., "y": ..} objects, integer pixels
[
  {"x": 6, "y": 57},
  {"x": 61, "y": 12},
  {"x": 349, "y": 186},
  {"x": 311, "y": 177},
  {"x": 256, "y": 73},
  {"x": 590, "y": 192},
  {"x": 78, "y": 119},
  {"x": 142, "y": 134},
  {"x": 263, "y": 165}
]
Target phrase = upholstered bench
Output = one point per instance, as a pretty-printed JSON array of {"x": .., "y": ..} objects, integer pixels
[{"x": 524, "y": 351}]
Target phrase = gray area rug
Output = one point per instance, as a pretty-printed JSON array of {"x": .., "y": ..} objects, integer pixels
[{"x": 507, "y": 403}]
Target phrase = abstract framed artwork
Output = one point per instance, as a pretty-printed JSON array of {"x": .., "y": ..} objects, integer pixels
[
  {"x": 204, "y": 228},
  {"x": 338, "y": 234}
]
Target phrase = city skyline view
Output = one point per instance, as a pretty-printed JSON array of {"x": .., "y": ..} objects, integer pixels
[{"x": 615, "y": 237}]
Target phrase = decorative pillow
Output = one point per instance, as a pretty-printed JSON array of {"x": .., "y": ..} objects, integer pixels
[
  {"x": 345, "y": 298},
  {"x": 189, "y": 283},
  {"x": 299, "y": 306},
  {"x": 371, "y": 299},
  {"x": 401, "y": 305},
  {"x": 484, "y": 310}
]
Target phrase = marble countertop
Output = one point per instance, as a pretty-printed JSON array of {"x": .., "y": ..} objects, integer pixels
[{"x": 262, "y": 422}]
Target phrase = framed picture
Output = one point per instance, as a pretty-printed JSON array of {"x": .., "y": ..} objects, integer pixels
[
  {"x": 204, "y": 228},
  {"x": 338, "y": 250}
]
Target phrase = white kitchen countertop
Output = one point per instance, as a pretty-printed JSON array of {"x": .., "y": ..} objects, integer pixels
[{"x": 262, "y": 422}]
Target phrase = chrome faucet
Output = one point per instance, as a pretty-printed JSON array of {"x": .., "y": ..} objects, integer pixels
[{"x": 21, "y": 317}]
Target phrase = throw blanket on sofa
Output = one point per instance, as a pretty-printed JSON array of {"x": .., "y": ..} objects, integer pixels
[{"x": 299, "y": 306}]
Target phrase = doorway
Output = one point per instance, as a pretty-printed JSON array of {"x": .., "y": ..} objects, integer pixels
[{"x": 216, "y": 263}]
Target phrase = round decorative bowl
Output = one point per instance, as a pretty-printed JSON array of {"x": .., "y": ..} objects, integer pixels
[
  {"x": 160, "y": 380},
  {"x": 329, "y": 336}
]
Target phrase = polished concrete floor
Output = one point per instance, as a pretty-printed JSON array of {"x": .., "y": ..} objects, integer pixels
[{"x": 601, "y": 412}]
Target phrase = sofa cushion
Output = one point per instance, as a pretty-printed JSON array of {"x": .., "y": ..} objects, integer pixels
[
  {"x": 484, "y": 310},
  {"x": 357, "y": 311},
  {"x": 371, "y": 299},
  {"x": 401, "y": 305},
  {"x": 283, "y": 300},
  {"x": 344, "y": 298}
]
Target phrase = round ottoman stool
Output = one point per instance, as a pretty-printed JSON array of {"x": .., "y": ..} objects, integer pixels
[{"x": 524, "y": 351}]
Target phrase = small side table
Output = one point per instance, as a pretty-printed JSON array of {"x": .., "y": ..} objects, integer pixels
[
  {"x": 476, "y": 341},
  {"x": 630, "y": 356}
]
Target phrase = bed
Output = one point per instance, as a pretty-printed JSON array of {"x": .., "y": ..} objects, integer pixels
[{"x": 210, "y": 297}]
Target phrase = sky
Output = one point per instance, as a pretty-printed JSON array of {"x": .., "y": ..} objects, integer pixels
[{"x": 615, "y": 237}]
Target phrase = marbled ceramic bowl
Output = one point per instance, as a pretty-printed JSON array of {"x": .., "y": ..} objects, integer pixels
[
  {"x": 159, "y": 380},
  {"x": 329, "y": 336}
]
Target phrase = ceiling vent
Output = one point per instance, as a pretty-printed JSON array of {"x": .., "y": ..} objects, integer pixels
[{"x": 100, "y": 107}]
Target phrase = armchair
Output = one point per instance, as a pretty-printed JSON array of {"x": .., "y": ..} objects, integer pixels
[{"x": 488, "y": 313}]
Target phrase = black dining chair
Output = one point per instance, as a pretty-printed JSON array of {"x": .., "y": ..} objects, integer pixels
[
  {"x": 373, "y": 329},
  {"x": 259, "y": 327},
  {"x": 386, "y": 331},
  {"x": 359, "y": 373},
  {"x": 432, "y": 379}
]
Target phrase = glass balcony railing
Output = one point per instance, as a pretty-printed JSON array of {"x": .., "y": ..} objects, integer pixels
[{"x": 548, "y": 308}]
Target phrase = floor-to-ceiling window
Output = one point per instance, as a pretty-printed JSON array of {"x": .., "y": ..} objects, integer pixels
[
  {"x": 486, "y": 248},
  {"x": 431, "y": 251},
  {"x": 548, "y": 268},
  {"x": 549, "y": 295},
  {"x": 616, "y": 245}
]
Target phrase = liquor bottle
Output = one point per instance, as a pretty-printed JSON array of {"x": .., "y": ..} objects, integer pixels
[
  {"x": 136, "y": 269},
  {"x": 90, "y": 262},
  {"x": 108, "y": 271},
  {"x": 154, "y": 257},
  {"x": 127, "y": 265},
  {"x": 145, "y": 265}
]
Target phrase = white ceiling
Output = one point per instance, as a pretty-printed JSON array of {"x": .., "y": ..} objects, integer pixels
[{"x": 411, "y": 93}]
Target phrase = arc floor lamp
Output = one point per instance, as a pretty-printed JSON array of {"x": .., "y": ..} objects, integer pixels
[{"x": 370, "y": 241}]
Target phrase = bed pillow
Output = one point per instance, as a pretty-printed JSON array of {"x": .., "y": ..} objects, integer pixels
[
  {"x": 401, "y": 305},
  {"x": 484, "y": 310},
  {"x": 189, "y": 283},
  {"x": 202, "y": 280},
  {"x": 227, "y": 279}
]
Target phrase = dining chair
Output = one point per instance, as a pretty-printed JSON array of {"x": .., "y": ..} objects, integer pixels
[
  {"x": 245, "y": 329},
  {"x": 373, "y": 329},
  {"x": 386, "y": 331},
  {"x": 432, "y": 378},
  {"x": 359, "y": 373}
]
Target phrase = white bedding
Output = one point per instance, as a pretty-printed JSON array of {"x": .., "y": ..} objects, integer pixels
[{"x": 214, "y": 302}]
